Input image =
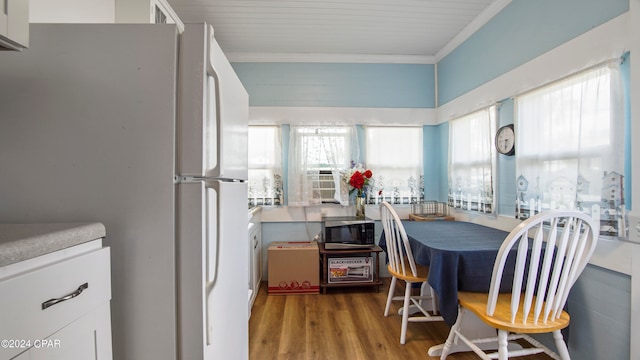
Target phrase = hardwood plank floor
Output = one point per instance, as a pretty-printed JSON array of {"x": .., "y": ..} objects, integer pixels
[{"x": 343, "y": 324}]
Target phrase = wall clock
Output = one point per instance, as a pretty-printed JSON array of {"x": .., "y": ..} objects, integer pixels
[{"x": 506, "y": 140}]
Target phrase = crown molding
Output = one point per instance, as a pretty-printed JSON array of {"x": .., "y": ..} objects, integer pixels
[
  {"x": 330, "y": 58},
  {"x": 302, "y": 115}
]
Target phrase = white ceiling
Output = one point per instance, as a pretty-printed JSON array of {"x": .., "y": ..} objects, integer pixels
[{"x": 418, "y": 31}]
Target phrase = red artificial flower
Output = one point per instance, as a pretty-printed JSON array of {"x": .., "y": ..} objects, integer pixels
[
  {"x": 368, "y": 174},
  {"x": 357, "y": 180}
]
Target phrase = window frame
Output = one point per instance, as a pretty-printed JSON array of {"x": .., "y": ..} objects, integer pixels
[
  {"x": 272, "y": 168},
  {"x": 411, "y": 192},
  {"x": 457, "y": 198},
  {"x": 313, "y": 193},
  {"x": 583, "y": 159}
]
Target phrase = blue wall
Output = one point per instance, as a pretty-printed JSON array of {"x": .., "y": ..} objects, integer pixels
[
  {"x": 523, "y": 30},
  {"x": 435, "y": 157},
  {"x": 506, "y": 167},
  {"x": 339, "y": 85},
  {"x": 599, "y": 305}
]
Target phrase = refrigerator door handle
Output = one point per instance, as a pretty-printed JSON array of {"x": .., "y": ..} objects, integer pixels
[
  {"x": 214, "y": 106},
  {"x": 212, "y": 251},
  {"x": 212, "y": 248},
  {"x": 190, "y": 179}
]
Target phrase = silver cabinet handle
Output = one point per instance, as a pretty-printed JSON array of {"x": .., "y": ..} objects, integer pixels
[{"x": 52, "y": 302}]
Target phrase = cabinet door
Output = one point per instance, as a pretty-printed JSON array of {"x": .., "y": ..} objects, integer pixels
[
  {"x": 255, "y": 261},
  {"x": 252, "y": 265},
  {"x": 22, "y": 313},
  {"x": 147, "y": 11},
  {"x": 14, "y": 24},
  {"x": 3, "y": 19},
  {"x": 258, "y": 258},
  {"x": 86, "y": 338}
]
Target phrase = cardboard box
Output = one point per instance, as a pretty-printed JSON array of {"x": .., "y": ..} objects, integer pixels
[
  {"x": 293, "y": 268},
  {"x": 350, "y": 269}
]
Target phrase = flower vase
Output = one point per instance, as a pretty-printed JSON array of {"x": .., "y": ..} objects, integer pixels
[{"x": 360, "y": 206}]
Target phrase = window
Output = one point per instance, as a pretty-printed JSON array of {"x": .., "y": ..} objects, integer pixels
[
  {"x": 570, "y": 152},
  {"x": 316, "y": 155},
  {"x": 394, "y": 155},
  {"x": 265, "y": 174},
  {"x": 471, "y": 161}
]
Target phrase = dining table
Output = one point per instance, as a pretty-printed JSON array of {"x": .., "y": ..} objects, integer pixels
[{"x": 460, "y": 256}]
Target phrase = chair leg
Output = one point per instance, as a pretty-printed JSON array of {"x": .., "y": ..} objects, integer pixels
[
  {"x": 405, "y": 313},
  {"x": 561, "y": 345},
  {"x": 503, "y": 342},
  {"x": 392, "y": 289},
  {"x": 452, "y": 335}
]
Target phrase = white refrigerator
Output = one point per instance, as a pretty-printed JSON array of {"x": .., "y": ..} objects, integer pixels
[{"x": 144, "y": 130}]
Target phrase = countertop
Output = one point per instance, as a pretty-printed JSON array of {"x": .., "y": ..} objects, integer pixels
[{"x": 20, "y": 242}]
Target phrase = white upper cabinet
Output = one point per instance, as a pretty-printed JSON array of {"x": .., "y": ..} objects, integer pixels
[
  {"x": 14, "y": 24},
  {"x": 102, "y": 11},
  {"x": 146, "y": 11},
  {"x": 72, "y": 11}
]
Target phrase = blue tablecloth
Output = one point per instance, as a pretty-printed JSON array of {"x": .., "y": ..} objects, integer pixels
[{"x": 460, "y": 256}]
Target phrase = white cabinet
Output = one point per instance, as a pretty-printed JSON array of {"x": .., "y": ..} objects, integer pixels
[
  {"x": 82, "y": 339},
  {"x": 72, "y": 11},
  {"x": 255, "y": 257},
  {"x": 56, "y": 306},
  {"x": 14, "y": 24},
  {"x": 147, "y": 11}
]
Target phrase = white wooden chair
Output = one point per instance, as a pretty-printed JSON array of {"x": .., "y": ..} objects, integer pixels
[
  {"x": 535, "y": 304},
  {"x": 403, "y": 266}
]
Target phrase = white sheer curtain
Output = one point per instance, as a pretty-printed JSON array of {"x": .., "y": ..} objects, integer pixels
[
  {"x": 394, "y": 155},
  {"x": 472, "y": 161},
  {"x": 265, "y": 166},
  {"x": 570, "y": 152},
  {"x": 313, "y": 149}
]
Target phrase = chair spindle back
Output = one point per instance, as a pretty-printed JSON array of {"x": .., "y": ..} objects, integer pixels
[
  {"x": 397, "y": 241},
  {"x": 561, "y": 245}
]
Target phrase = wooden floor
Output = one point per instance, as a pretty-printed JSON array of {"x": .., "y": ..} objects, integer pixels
[{"x": 343, "y": 324}]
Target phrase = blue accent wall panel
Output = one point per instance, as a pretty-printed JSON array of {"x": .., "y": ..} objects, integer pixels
[
  {"x": 432, "y": 162},
  {"x": 443, "y": 156},
  {"x": 523, "y": 30},
  {"x": 338, "y": 85},
  {"x": 289, "y": 231},
  {"x": 505, "y": 186},
  {"x": 599, "y": 305}
]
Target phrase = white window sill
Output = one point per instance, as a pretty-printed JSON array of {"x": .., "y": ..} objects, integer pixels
[{"x": 315, "y": 212}]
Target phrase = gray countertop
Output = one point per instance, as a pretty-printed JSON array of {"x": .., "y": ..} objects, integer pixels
[{"x": 25, "y": 241}]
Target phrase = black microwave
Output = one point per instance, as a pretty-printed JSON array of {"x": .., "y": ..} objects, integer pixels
[{"x": 347, "y": 231}]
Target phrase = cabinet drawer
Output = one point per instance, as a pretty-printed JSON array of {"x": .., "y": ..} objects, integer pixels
[{"x": 21, "y": 304}]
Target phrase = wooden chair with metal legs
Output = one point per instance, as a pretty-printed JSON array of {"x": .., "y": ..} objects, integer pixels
[
  {"x": 541, "y": 284},
  {"x": 402, "y": 266}
]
